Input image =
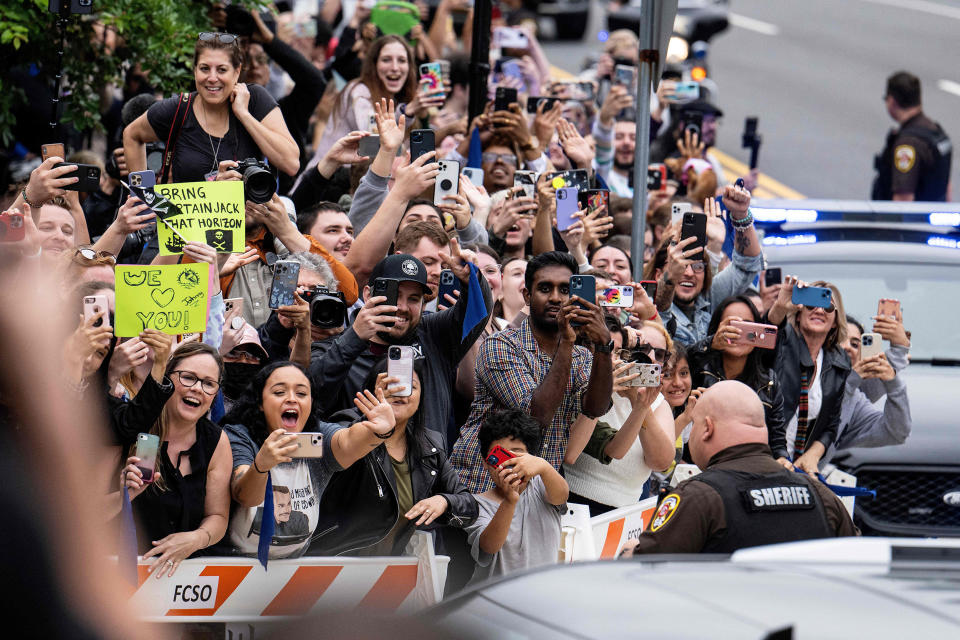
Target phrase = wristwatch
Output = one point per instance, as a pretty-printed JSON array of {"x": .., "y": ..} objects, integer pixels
[{"x": 604, "y": 348}]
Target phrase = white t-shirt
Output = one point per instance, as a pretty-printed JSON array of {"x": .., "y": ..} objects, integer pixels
[{"x": 814, "y": 401}]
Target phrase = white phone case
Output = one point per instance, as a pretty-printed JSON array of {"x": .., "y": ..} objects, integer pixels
[
  {"x": 448, "y": 181},
  {"x": 871, "y": 344},
  {"x": 677, "y": 209},
  {"x": 401, "y": 367},
  {"x": 474, "y": 175},
  {"x": 620, "y": 296},
  {"x": 649, "y": 375}
]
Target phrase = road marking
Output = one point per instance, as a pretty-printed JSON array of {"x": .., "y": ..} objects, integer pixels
[
  {"x": 922, "y": 6},
  {"x": 765, "y": 184},
  {"x": 752, "y": 24},
  {"x": 949, "y": 86}
]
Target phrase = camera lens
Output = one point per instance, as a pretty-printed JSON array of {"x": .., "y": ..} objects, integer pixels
[
  {"x": 394, "y": 353},
  {"x": 327, "y": 312},
  {"x": 259, "y": 184},
  {"x": 561, "y": 195},
  {"x": 416, "y": 136}
]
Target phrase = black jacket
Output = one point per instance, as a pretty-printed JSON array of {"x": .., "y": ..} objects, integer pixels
[
  {"x": 792, "y": 355},
  {"x": 359, "y": 506},
  {"x": 706, "y": 365}
]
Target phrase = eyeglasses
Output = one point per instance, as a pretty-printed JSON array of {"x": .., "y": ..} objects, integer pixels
[
  {"x": 829, "y": 309},
  {"x": 491, "y": 158},
  {"x": 698, "y": 267},
  {"x": 223, "y": 38},
  {"x": 190, "y": 380},
  {"x": 95, "y": 256}
]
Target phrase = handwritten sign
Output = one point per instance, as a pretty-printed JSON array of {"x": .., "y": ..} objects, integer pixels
[
  {"x": 211, "y": 212},
  {"x": 171, "y": 298}
]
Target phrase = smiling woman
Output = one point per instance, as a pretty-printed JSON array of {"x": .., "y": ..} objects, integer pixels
[{"x": 222, "y": 120}]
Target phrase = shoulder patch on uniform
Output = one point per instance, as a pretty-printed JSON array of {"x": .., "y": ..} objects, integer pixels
[
  {"x": 665, "y": 511},
  {"x": 904, "y": 157}
]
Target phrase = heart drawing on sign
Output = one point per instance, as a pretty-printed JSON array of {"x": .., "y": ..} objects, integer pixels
[{"x": 162, "y": 298}]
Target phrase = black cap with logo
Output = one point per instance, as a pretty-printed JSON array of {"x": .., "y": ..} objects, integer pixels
[{"x": 401, "y": 267}]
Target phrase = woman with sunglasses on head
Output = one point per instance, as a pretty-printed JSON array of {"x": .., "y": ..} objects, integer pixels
[
  {"x": 812, "y": 368},
  {"x": 723, "y": 356},
  {"x": 225, "y": 120},
  {"x": 610, "y": 467},
  {"x": 184, "y": 507}
]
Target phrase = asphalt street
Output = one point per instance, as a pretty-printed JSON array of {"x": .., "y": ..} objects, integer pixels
[{"x": 814, "y": 73}]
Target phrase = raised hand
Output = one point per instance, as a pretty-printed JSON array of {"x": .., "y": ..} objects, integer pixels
[
  {"x": 391, "y": 131},
  {"x": 373, "y": 317},
  {"x": 576, "y": 148},
  {"x": 237, "y": 260},
  {"x": 456, "y": 261},
  {"x": 379, "y": 414},
  {"x": 416, "y": 177}
]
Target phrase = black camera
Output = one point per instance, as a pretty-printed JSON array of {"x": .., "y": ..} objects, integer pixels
[
  {"x": 68, "y": 7},
  {"x": 259, "y": 183},
  {"x": 327, "y": 310}
]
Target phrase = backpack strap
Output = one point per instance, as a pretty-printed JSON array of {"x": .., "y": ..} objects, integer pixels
[{"x": 174, "y": 134}]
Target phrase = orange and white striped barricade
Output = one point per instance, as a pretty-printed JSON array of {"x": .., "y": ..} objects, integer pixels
[
  {"x": 234, "y": 589},
  {"x": 613, "y": 528}
]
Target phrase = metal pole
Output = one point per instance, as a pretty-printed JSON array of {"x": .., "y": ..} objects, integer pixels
[
  {"x": 649, "y": 56},
  {"x": 479, "y": 57},
  {"x": 62, "y": 25}
]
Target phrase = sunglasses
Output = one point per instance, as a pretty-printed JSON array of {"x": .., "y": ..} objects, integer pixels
[
  {"x": 96, "y": 256},
  {"x": 829, "y": 309},
  {"x": 223, "y": 38},
  {"x": 506, "y": 158}
]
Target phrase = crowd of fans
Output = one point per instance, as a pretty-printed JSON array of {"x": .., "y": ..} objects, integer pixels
[{"x": 510, "y": 359}]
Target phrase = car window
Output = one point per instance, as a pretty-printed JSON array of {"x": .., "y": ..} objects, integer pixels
[{"x": 929, "y": 298}]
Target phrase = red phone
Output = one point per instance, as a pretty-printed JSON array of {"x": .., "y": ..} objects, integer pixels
[
  {"x": 498, "y": 455},
  {"x": 11, "y": 227}
]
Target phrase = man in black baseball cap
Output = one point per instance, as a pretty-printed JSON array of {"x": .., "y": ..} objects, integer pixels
[{"x": 338, "y": 366}]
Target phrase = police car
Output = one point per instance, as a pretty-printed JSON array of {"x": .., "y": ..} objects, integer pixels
[{"x": 911, "y": 252}]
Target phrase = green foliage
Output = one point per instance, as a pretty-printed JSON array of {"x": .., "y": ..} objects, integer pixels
[{"x": 159, "y": 35}]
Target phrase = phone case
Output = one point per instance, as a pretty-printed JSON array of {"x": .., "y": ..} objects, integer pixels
[
  {"x": 422, "y": 141},
  {"x": 388, "y": 289},
  {"x": 510, "y": 38},
  {"x": 812, "y": 296},
  {"x": 448, "y": 181},
  {"x": 498, "y": 455},
  {"x": 687, "y": 91},
  {"x": 147, "y": 446},
  {"x": 584, "y": 287},
  {"x": 533, "y": 102},
  {"x": 92, "y": 305},
  {"x": 527, "y": 180},
  {"x": 143, "y": 179},
  {"x": 871, "y": 344},
  {"x": 51, "y": 150},
  {"x": 890, "y": 308},
  {"x": 763, "y": 336},
  {"x": 596, "y": 198},
  {"x": 11, "y": 227},
  {"x": 657, "y": 177},
  {"x": 576, "y": 178},
  {"x": 619, "y": 296},
  {"x": 309, "y": 445},
  {"x": 400, "y": 365},
  {"x": 448, "y": 284},
  {"x": 567, "y": 205},
  {"x": 233, "y": 303},
  {"x": 649, "y": 375},
  {"x": 474, "y": 175},
  {"x": 772, "y": 276},
  {"x": 677, "y": 211},
  {"x": 650, "y": 288},
  {"x": 503, "y": 98},
  {"x": 369, "y": 146},
  {"x": 694, "y": 225},
  {"x": 627, "y": 77},
  {"x": 433, "y": 73},
  {"x": 89, "y": 175},
  {"x": 285, "y": 276}
]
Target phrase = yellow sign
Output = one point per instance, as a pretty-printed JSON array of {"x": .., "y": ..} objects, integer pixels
[
  {"x": 211, "y": 212},
  {"x": 171, "y": 298}
]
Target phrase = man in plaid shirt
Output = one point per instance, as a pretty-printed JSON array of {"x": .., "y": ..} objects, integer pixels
[{"x": 537, "y": 368}]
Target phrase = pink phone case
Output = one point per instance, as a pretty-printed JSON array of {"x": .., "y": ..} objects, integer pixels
[{"x": 763, "y": 336}]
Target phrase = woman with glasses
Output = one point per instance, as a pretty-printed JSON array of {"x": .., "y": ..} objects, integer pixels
[
  {"x": 184, "y": 507},
  {"x": 222, "y": 120},
  {"x": 634, "y": 438},
  {"x": 813, "y": 369}
]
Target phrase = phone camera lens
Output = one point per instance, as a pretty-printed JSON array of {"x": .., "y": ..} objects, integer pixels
[
  {"x": 561, "y": 195},
  {"x": 417, "y": 137}
]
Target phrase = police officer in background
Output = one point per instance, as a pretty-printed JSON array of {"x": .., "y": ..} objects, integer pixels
[
  {"x": 744, "y": 498},
  {"x": 915, "y": 163}
]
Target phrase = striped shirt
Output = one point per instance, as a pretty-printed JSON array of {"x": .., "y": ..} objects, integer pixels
[{"x": 510, "y": 368}]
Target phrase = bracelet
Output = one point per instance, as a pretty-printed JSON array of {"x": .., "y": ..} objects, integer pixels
[
  {"x": 23, "y": 192},
  {"x": 255, "y": 465},
  {"x": 743, "y": 223},
  {"x": 387, "y": 435}
]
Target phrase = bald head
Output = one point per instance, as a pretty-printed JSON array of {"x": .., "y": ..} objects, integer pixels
[{"x": 727, "y": 414}]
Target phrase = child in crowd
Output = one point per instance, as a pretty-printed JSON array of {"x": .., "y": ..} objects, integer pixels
[{"x": 519, "y": 522}]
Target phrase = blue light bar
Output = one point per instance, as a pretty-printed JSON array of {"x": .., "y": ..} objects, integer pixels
[
  {"x": 784, "y": 215},
  {"x": 945, "y": 243},
  {"x": 790, "y": 240},
  {"x": 949, "y": 219}
]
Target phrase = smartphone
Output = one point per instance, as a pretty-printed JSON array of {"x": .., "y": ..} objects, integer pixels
[
  {"x": 812, "y": 296},
  {"x": 677, "y": 211},
  {"x": 509, "y": 68},
  {"x": 93, "y": 305},
  {"x": 309, "y": 444},
  {"x": 369, "y": 146},
  {"x": 503, "y": 98},
  {"x": 448, "y": 284},
  {"x": 650, "y": 288},
  {"x": 626, "y": 76},
  {"x": 432, "y": 72},
  {"x": 448, "y": 181},
  {"x": 619, "y": 296},
  {"x": 474, "y": 175},
  {"x": 510, "y": 38},
  {"x": 528, "y": 181},
  {"x": 694, "y": 225},
  {"x": 571, "y": 178},
  {"x": 146, "y": 449},
  {"x": 772, "y": 276},
  {"x": 693, "y": 122},
  {"x": 444, "y": 71},
  {"x": 657, "y": 177},
  {"x": 11, "y": 227},
  {"x": 89, "y": 175},
  {"x": 400, "y": 365},
  {"x": 585, "y": 288},
  {"x": 422, "y": 141},
  {"x": 890, "y": 308},
  {"x": 286, "y": 273},
  {"x": 648, "y": 375},
  {"x": 389, "y": 289},
  {"x": 498, "y": 455},
  {"x": 686, "y": 91},
  {"x": 143, "y": 179},
  {"x": 583, "y": 91},
  {"x": 51, "y": 150},
  {"x": 593, "y": 199},
  {"x": 567, "y": 205},
  {"x": 871, "y": 344},
  {"x": 233, "y": 303},
  {"x": 763, "y": 336},
  {"x": 534, "y": 101}
]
